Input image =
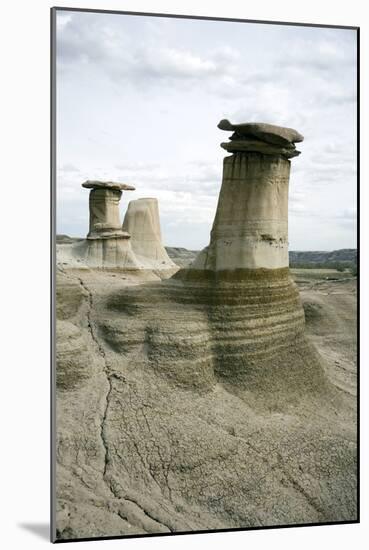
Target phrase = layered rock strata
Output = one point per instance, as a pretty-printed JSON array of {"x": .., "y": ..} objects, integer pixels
[
  {"x": 253, "y": 306},
  {"x": 241, "y": 323},
  {"x": 136, "y": 246},
  {"x": 262, "y": 138},
  {"x": 107, "y": 245},
  {"x": 154, "y": 436},
  {"x": 142, "y": 222},
  {"x": 250, "y": 229},
  {"x": 198, "y": 403}
]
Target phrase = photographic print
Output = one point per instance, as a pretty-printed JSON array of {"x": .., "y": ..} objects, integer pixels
[{"x": 205, "y": 274}]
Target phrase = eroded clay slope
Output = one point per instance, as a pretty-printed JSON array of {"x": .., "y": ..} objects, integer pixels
[{"x": 153, "y": 442}]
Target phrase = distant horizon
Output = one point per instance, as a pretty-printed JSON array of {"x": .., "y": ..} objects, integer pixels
[
  {"x": 146, "y": 113},
  {"x": 198, "y": 250}
]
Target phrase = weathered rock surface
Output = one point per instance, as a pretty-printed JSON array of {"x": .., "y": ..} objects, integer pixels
[
  {"x": 252, "y": 145},
  {"x": 206, "y": 405},
  {"x": 96, "y": 184},
  {"x": 270, "y": 133},
  {"x": 159, "y": 437},
  {"x": 109, "y": 245},
  {"x": 181, "y": 256},
  {"x": 250, "y": 228},
  {"x": 104, "y": 209},
  {"x": 258, "y": 137},
  {"x": 142, "y": 222}
]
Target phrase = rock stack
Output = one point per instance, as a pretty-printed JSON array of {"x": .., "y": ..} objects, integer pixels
[
  {"x": 250, "y": 229},
  {"x": 197, "y": 403},
  {"x": 136, "y": 246},
  {"x": 259, "y": 137},
  {"x": 142, "y": 222},
  {"x": 108, "y": 246},
  {"x": 234, "y": 316},
  {"x": 242, "y": 277}
]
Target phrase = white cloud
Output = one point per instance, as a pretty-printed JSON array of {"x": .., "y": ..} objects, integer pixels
[
  {"x": 86, "y": 42},
  {"x": 68, "y": 167},
  {"x": 139, "y": 100}
]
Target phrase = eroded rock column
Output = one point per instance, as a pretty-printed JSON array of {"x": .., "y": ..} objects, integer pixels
[
  {"x": 142, "y": 222},
  {"x": 242, "y": 281},
  {"x": 108, "y": 246},
  {"x": 234, "y": 317},
  {"x": 250, "y": 228}
]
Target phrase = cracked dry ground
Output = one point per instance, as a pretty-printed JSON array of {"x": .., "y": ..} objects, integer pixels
[{"x": 139, "y": 452}]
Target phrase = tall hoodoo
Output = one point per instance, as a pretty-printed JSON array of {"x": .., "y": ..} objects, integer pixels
[
  {"x": 198, "y": 400},
  {"x": 242, "y": 279},
  {"x": 250, "y": 229},
  {"x": 234, "y": 316}
]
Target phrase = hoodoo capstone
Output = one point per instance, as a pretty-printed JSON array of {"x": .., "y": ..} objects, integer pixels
[{"x": 261, "y": 138}]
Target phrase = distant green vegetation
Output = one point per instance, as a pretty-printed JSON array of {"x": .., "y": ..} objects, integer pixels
[
  {"x": 306, "y": 275},
  {"x": 338, "y": 266}
]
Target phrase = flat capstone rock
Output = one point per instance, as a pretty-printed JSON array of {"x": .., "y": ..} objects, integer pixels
[
  {"x": 94, "y": 184},
  {"x": 269, "y": 133},
  {"x": 257, "y": 146}
]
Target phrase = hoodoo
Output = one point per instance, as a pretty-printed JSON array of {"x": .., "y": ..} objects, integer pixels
[
  {"x": 142, "y": 222},
  {"x": 135, "y": 246},
  {"x": 253, "y": 306},
  {"x": 107, "y": 244},
  {"x": 234, "y": 316},
  {"x": 198, "y": 402},
  {"x": 104, "y": 208},
  {"x": 250, "y": 228}
]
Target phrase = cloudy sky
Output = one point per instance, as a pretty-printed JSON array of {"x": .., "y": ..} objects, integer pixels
[{"x": 139, "y": 99}]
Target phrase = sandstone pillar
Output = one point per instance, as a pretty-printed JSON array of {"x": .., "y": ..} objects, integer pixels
[
  {"x": 104, "y": 208},
  {"x": 142, "y": 222},
  {"x": 234, "y": 318},
  {"x": 108, "y": 246},
  {"x": 250, "y": 229},
  {"x": 255, "y": 320}
]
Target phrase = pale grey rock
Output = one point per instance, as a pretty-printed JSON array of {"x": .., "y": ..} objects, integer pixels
[
  {"x": 206, "y": 405},
  {"x": 181, "y": 256},
  {"x": 159, "y": 437},
  {"x": 104, "y": 209},
  {"x": 142, "y": 222},
  {"x": 109, "y": 245},
  {"x": 73, "y": 359},
  {"x": 250, "y": 228}
]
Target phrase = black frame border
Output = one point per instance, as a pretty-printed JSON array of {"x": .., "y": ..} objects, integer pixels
[{"x": 53, "y": 198}]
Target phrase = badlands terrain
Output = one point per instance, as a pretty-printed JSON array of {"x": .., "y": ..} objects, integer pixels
[
  {"x": 139, "y": 452},
  {"x": 210, "y": 390}
]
